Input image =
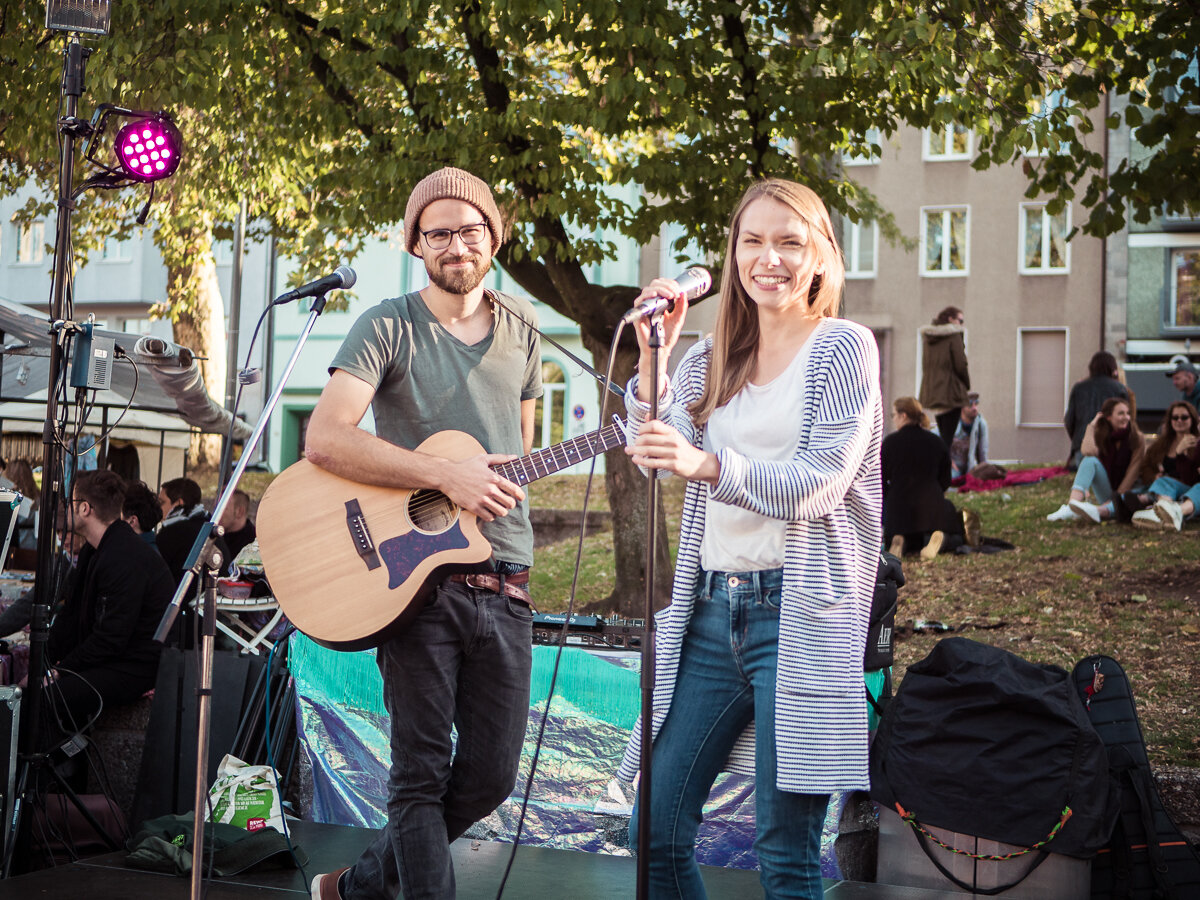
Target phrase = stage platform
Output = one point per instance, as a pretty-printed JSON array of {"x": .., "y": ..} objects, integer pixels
[{"x": 538, "y": 874}]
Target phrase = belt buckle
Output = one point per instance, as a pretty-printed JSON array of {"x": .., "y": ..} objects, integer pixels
[{"x": 473, "y": 580}]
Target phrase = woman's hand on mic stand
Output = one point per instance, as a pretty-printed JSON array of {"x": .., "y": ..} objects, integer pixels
[{"x": 672, "y": 325}]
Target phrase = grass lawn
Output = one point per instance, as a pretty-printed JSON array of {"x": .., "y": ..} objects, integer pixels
[{"x": 1067, "y": 591}]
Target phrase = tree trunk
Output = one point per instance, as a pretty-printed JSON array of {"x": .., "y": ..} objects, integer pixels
[
  {"x": 627, "y": 496},
  {"x": 199, "y": 325}
]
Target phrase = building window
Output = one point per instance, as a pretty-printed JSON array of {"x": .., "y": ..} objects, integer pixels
[
  {"x": 948, "y": 143},
  {"x": 137, "y": 326},
  {"x": 860, "y": 243},
  {"x": 31, "y": 243},
  {"x": 868, "y": 157},
  {"x": 1185, "y": 288},
  {"x": 1044, "y": 247},
  {"x": 1045, "y": 107},
  {"x": 115, "y": 251},
  {"x": 1041, "y": 377},
  {"x": 550, "y": 415},
  {"x": 944, "y": 241}
]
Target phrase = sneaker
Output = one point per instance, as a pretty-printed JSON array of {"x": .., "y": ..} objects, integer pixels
[
  {"x": 1148, "y": 519},
  {"x": 1085, "y": 510},
  {"x": 930, "y": 550},
  {"x": 325, "y": 887},
  {"x": 971, "y": 527},
  {"x": 1063, "y": 514},
  {"x": 1169, "y": 513},
  {"x": 897, "y": 548}
]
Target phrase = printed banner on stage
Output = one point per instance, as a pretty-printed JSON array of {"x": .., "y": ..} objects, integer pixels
[{"x": 576, "y": 802}]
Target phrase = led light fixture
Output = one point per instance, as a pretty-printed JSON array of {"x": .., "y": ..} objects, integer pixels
[
  {"x": 83, "y": 16},
  {"x": 149, "y": 149}
]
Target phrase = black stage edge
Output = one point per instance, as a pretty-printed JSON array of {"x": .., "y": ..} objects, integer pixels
[{"x": 538, "y": 874}]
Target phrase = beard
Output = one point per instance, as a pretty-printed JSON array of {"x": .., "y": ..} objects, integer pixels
[{"x": 461, "y": 281}]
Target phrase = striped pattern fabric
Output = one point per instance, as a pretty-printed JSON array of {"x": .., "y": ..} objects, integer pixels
[{"x": 831, "y": 496}]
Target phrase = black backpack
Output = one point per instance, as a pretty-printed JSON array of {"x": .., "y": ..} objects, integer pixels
[
  {"x": 1148, "y": 858},
  {"x": 982, "y": 742}
]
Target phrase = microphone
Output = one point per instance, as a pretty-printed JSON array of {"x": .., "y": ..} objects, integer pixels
[
  {"x": 694, "y": 283},
  {"x": 342, "y": 277}
]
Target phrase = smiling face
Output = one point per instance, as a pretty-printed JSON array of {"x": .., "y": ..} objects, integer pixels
[
  {"x": 1180, "y": 418},
  {"x": 1119, "y": 417},
  {"x": 775, "y": 259},
  {"x": 460, "y": 267}
]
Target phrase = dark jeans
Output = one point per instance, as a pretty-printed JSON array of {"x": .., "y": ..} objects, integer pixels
[
  {"x": 947, "y": 424},
  {"x": 463, "y": 662},
  {"x": 726, "y": 681}
]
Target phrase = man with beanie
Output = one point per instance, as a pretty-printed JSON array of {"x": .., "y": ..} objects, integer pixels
[{"x": 452, "y": 356}]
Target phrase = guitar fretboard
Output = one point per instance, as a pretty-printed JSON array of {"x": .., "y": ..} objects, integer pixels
[{"x": 561, "y": 456}]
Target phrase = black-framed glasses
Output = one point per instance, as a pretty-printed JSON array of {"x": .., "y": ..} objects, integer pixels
[
  {"x": 440, "y": 238},
  {"x": 1184, "y": 417}
]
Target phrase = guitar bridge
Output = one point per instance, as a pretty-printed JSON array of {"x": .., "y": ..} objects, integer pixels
[{"x": 364, "y": 545}]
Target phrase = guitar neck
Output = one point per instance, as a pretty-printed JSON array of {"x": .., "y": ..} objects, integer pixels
[{"x": 561, "y": 456}]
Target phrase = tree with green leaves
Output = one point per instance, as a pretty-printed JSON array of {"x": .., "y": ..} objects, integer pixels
[{"x": 323, "y": 115}]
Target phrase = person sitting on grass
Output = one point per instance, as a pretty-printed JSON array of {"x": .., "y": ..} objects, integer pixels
[
  {"x": 1173, "y": 461},
  {"x": 916, "y": 472},
  {"x": 1113, "y": 451}
]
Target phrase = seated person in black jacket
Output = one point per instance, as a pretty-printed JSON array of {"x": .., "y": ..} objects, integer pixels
[
  {"x": 183, "y": 517},
  {"x": 239, "y": 530},
  {"x": 141, "y": 511},
  {"x": 101, "y": 650},
  {"x": 915, "y": 466}
]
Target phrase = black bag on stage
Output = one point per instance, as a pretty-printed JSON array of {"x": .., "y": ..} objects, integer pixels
[
  {"x": 982, "y": 742},
  {"x": 1148, "y": 857},
  {"x": 889, "y": 578}
]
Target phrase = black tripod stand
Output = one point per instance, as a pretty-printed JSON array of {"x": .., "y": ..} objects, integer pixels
[{"x": 36, "y": 767}]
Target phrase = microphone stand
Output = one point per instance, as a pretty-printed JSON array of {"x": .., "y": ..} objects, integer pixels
[
  {"x": 204, "y": 555},
  {"x": 647, "y": 672}
]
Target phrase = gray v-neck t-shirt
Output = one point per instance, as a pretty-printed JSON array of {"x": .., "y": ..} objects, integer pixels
[{"x": 426, "y": 380}]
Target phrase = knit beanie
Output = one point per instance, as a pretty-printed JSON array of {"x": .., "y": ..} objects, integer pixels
[{"x": 453, "y": 184}]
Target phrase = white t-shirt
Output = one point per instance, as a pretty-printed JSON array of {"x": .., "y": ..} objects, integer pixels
[{"x": 761, "y": 421}]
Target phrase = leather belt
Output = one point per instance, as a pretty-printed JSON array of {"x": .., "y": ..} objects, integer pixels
[{"x": 512, "y": 586}]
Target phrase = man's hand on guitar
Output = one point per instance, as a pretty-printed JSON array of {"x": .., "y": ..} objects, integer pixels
[{"x": 475, "y": 486}]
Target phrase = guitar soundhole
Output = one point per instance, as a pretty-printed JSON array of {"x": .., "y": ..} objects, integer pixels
[{"x": 431, "y": 512}]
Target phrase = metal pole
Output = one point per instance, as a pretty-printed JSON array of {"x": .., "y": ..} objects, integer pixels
[
  {"x": 647, "y": 673},
  {"x": 75, "y": 58},
  {"x": 235, "y": 306}
]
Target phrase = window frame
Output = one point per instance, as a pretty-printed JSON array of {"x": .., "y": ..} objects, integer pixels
[
  {"x": 1024, "y": 210},
  {"x": 929, "y": 154},
  {"x": 852, "y": 233},
  {"x": 924, "y": 238},
  {"x": 25, "y": 241}
]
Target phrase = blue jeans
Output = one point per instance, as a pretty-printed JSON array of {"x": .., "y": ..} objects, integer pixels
[
  {"x": 1092, "y": 476},
  {"x": 726, "y": 681},
  {"x": 464, "y": 661},
  {"x": 1166, "y": 486}
]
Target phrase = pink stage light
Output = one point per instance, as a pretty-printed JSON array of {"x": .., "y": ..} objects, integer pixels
[{"x": 149, "y": 149}]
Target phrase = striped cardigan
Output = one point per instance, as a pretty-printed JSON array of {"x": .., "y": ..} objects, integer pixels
[{"x": 830, "y": 493}]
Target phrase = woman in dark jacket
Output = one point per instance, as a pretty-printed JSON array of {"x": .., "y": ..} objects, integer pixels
[
  {"x": 944, "y": 376},
  {"x": 916, "y": 472}
]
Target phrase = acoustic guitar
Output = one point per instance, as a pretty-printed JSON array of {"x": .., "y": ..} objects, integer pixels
[{"x": 351, "y": 563}]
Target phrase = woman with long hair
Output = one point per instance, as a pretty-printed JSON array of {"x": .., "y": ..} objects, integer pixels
[
  {"x": 1173, "y": 469},
  {"x": 916, "y": 472},
  {"x": 1113, "y": 451},
  {"x": 775, "y": 421}
]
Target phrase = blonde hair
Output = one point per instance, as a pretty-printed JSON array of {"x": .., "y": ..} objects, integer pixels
[
  {"x": 911, "y": 407},
  {"x": 735, "y": 338}
]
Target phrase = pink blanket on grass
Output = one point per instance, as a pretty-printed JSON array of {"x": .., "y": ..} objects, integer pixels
[{"x": 1024, "y": 476}]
